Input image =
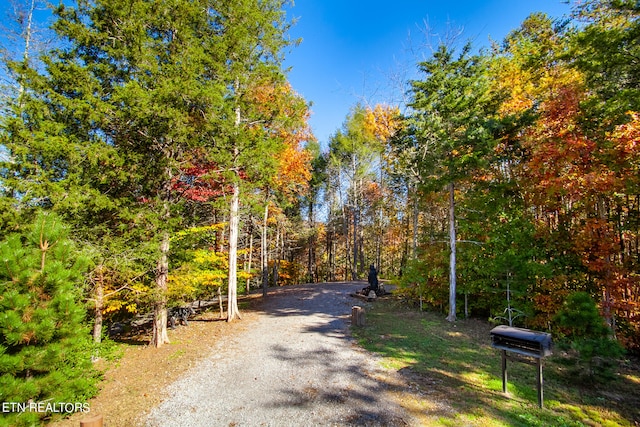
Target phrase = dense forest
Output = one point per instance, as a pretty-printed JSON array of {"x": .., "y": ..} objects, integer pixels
[{"x": 154, "y": 154}]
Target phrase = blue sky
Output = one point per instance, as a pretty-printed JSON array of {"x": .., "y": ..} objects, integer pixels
[
  {"x": 353, "y": 51},
  {"x": 357, "y": 51}
]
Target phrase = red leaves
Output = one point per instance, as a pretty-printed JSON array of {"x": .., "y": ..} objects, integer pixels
[
  {"x": 564, "y": 161},
  {"x": 202, "y": 182}
]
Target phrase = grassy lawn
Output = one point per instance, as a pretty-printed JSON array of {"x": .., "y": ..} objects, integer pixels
[{"x": 455, "y": 364}]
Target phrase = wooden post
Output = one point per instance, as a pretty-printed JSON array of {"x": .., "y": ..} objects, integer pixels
[
  {"x": 94, "y": 421},
  {"x": 357, "y": 316}
]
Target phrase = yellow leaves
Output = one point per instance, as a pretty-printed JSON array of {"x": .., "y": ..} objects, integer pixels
[
  {"x": 521, "y": 88},
  {"x": 206, "y": 268},
  {"x": 382, "y": 122},
  {"x": 517, "y": 84},
  {"x": 204, "y": 273},
  {"x": 294, "y": 171},
  {"x": 203, "y": 257},
  {"x": 626, "y": 141},
  {"x": 122, "y": 294},
  {"x": 199, "y": 230},
  {"x": 114, "y": 305},
  {"x": 244, "y": 275},
  {"x": 289, "y": 273}
]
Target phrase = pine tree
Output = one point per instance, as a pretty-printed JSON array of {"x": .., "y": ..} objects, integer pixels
[
  {"x": 450, "y": 124},
  {"x": 44, "y": 342},
  {"x": 131, "y": 93}
]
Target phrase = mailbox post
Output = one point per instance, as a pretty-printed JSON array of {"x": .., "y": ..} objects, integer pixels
[{"x": 525, "y": 342}]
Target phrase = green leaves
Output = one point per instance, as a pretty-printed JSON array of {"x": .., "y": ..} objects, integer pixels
[
  {"x": 451, "y": 115},
  {"x": 42, "y": 317}
]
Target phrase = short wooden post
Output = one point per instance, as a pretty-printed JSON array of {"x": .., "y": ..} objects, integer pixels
[
  {"x": 94, "y": 421},
  {"x": 357, "y": 316}
]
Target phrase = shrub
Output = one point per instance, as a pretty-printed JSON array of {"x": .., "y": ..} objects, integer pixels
[
  {"x": 584, "y": 334},
  {"x": 45, "y": 348}
]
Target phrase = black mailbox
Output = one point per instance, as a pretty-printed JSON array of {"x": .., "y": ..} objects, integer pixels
[{"x": 524, "y": 342}]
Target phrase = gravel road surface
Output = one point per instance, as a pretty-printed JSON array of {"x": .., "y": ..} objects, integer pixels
[{"x": 295, "y": 366}]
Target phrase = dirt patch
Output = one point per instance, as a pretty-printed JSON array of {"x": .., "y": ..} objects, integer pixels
[{"x": 136, "y": 382}]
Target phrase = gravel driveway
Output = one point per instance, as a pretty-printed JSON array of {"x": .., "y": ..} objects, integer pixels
[{"x": 295, "y": 366}]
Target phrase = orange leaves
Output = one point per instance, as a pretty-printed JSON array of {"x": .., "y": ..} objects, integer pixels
[
  {"x": 564, "y": 160},
  {"x": 596, "y": 243},
  {"x": 372, "y": 192},
  {"x": 626, "y": 144},
  {"x": 294, "y": 171},
  {"x": 382, "y": 122},
  {"x": 286, "y": 115}
]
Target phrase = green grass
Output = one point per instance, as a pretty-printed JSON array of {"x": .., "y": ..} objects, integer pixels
[{"x": 455, "y": 363}]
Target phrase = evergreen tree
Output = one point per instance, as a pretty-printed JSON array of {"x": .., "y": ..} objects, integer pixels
[
  {"x": 45, "y": 351},
  {"x": 584, "y": 332},
  {"x": 126, "y": 97},
  {"x": 450, "y": 123}
]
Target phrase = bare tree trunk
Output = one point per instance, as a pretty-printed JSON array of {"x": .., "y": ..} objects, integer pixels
[
  {"x": 99, "y": 300},
  {"x": 220, "y": 302},
  {"x": 160, "y": 336},
  {"x": 347, "y": 250},
  {"x": 27, "y": 45},
  {"x": 452, "y": 260},
  {"x": 311, "y": 261},
  {"x": 264, "y": 257},
  {"x": 234, "y": 222},
  {"x": 276, "y": 258},
  {"x": 248, "y": 270},
  {"x": 414, "y": 242},
  {"x": 331, "y": 251},
  {"x": 354, "y": 267},
  {"x": 608, "y": 276}
]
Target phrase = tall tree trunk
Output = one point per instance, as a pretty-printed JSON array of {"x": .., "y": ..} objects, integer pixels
[
  {"x": 276, "y": 260},
  {"x": 220, "y": 302},
  {"x": 452, "y": 259},
  {"x": 607, "y": 271},
  {"x": 414, "y": 241},
  {"x": 234, "y": 222},
  {"x": 26, "y": 32},
  {"x": 331, "y": 251},
  {"x": 311, "y": 261},
  {"x": 354, "y": 266},
  {"x": 160, "y": 336},
  {"x": 354, "y": 271},
  {"x": 264, "y": 256},
  {"x": 248, "y": 270},
  {"x": 99, "y": 300}
]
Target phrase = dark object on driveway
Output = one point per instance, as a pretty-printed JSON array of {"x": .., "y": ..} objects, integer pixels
[
  {"x": 525, "y": 342},
  {"x": 180, "y": 315},
  {"x": 373, "y": 286}
]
